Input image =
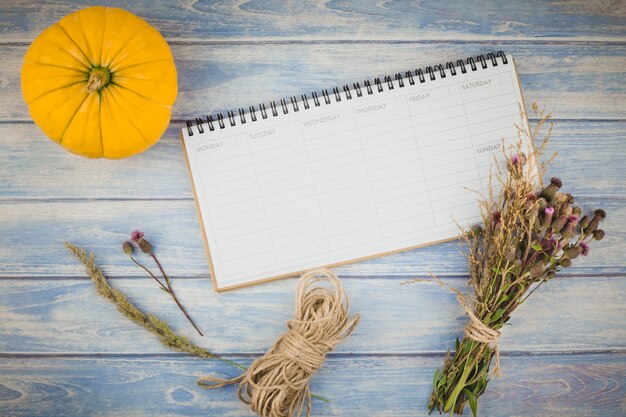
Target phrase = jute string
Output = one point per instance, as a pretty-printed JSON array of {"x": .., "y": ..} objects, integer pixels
[
  {"x": 475, "y": 329},
  {"x": 277, "y": 384},
  {"x": 481, "y": 333}
]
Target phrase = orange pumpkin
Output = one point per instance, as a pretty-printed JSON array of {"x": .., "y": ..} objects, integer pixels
[{"x": 101, "y": 82}]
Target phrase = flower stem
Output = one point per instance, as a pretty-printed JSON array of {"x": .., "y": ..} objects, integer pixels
[
  {"x": 149, "y": 272},
  {"x": 458, "y": 388},
  {"x": 171, "y": 291}
]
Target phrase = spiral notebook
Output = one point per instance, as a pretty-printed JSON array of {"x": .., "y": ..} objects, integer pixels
[{"x": 353, "y": 172}]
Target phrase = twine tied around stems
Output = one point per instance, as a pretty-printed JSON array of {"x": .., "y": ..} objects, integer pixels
[
  {"x": 481, "y": 333},
  {"x": 475, "y": 329},
  {"x": 277, "y": 384}
]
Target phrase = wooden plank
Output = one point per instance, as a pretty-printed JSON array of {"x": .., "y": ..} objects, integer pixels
[
  {"x": 37, "y": 168},
  {"x": 59, "y": 316},
  {"x": 559, "y": 386},
  {"x": 574, "y": 81},
  {"x": 233, "y": 20},
  {"x": 34, "y": 233}
]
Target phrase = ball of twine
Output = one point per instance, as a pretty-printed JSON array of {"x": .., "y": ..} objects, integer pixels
[{"x": 277, "y": 383}]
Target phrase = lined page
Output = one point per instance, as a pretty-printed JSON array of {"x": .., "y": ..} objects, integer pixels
[{"x": 351, "y": 179}]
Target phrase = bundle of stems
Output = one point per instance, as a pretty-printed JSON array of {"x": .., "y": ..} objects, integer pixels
[{"x": 529, "y": 233}]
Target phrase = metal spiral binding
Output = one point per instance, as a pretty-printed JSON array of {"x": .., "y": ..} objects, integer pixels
[{"x": 305, "y": 102}]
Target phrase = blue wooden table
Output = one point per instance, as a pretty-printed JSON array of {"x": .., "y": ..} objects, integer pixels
[{"x": 66, "y": 352}]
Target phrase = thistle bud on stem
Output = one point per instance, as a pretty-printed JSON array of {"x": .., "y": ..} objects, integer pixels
[
  {"x": 538, "y": 269},
  {"x": 565, "y": 263},
  {"x": 584, "y": 222},
  {"x": 598, "y": 234},
  {"x": 549, "y": 193},
  {"x": 144, "y": 245},
  {"x": 547, "y": 217},
  {"x": 567, "y": 210},
  {"x": 572, "y": 252},
  {"x": 127, "y": 247},
  {"x": 559, "y": 223},
  {"x": 598, "y": 217}
]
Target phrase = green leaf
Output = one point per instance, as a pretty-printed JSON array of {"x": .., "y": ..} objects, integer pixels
[
  {"x": 499, "y": 312},
  {"x": 436, "y": 378},
  {"x": 472, "y": 400},
  {"x": 537, "y": 247}
]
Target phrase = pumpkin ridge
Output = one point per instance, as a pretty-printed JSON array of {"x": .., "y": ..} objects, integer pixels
[
  {"x": 75, "y": 43},
  {"x": 80, "y": 25},
  {"x": 130, "y": 38},
  {"x": 64, "y": 49},
  {"x": 135, "y": 79},
  {"x": 104, "y": 31},
  {"x": 54, "y": 91},
  {"x": 167, "y": 106},
  {"x": 140, "y": 24},
  {"x": 72, "y": 119},
  {"x": 142, "y": 63},
  {"x": 43, "y": 122},
  {"x": 56, "y": 66},
  {"x": 132, "y": 122}
]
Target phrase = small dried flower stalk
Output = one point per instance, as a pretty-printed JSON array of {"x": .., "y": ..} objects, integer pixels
[
  {"x": 529, "y": 234},
  {"x": 137, "y": 237}
]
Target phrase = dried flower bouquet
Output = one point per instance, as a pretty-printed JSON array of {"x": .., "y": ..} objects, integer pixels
[{"x": 529, "y": 234}]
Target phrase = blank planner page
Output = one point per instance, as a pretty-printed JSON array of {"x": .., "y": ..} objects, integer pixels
[{"x": 379, "y": 168}]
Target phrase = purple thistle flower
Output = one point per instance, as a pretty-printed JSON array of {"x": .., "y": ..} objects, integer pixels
[
  {"x": 514, "y": 159},
  {"x": 573, "y": 219},
  {"x": 585, "y": 249},
  {"x": 556, "y": 182},
  {"x": 136, "y": 235},
  {"x": 549, "y": 210}
]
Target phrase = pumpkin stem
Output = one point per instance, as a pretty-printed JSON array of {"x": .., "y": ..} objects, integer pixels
[{"x": 98, "y": 79}]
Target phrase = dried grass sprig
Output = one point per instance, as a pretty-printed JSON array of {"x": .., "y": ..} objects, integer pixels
[{"x": 529, "y": 233}]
